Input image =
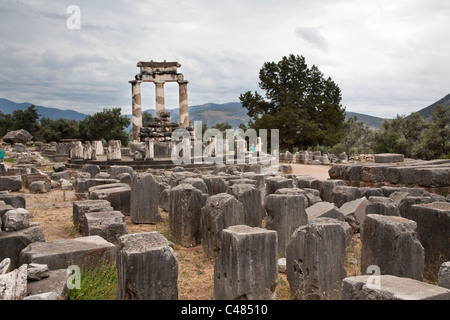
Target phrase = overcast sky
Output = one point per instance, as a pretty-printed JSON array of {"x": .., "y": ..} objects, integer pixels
[{"x": 388, "y": 57}]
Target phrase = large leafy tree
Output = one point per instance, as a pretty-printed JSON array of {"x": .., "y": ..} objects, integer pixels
[
  {"x": 108, "y": 124},
  {"x": 299, "y": 101},
  {"x": 27, "y": 119}
]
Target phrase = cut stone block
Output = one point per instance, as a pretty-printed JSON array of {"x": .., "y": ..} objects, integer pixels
[
  {"x": 16, "y": 219},
  {"x": 82, "y": 185},
  {"x": 326, "y": 187},
  {"x": 55, "y": 282},
  {"x": 220, "y": 212},
  {"x": 355, "y": 212},
  {"x": 315, "y": 259},
  {"x": 39, "y": 187},
  {"x": 324, "y": 209},
  {"x": 444, "y": 275},
  {"x": 14, "y": 200},
  {"x": 110, "y": 225},
  {"x": 90, "y": 168},
  {"x": 79, "y": 209},
  {"x": 390, "y": 287},
  {"x": 342, "y": 194},
  {"x": 60, "y": 254},
  {"x": 186, "y": 203},
  {"x": 246, "y": 267},
  {"x": 13, "y": 285},
  {"x": 391, "y": 243},
  {"x": 250, "y": 197},
  {"x": 197, "y": 183},
  {"x": 383, "y": 206},
  {"x": 12, "y": 183},
  {"x": 285, "y": 213},
  {"x": 12, "y": 243},
  {"x": 215, "y": 184},
  {"x": 145, "y": 193},
  {"x": 114, "y": 171},
  {"x": 147, "y": 268},
  {"x": 277, "y": 182},
  {"x": 117, "y": 194},
  {"x": 177, "y": 177},
  {"x": 37, "y": 271},
  {"x": 433, "y": 228},
  {"x": 389, "y": 157}
]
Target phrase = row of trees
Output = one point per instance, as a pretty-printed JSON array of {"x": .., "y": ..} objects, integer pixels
[
  {"x": 306, "y": 108},
  {"x": 108, "y": 124},
  {"x": 412, "y": 135},
  {"x": 299, "y": 101}
]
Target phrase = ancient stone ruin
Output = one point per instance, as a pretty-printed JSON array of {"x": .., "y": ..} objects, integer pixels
[{"x": 250, "y": 221}]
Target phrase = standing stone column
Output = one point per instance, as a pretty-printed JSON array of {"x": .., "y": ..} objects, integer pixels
[
  {"x": 97, "y": 145},
  {"x": 136, "y": 108},
  {"x": 114, "y": 152},
  {"x": 246, "y": 267},
  {"x": 159, "y": 94},
  {"x": 144, "y": 199},
  {"x": 183, "y": 100},
  {"x": 147, "y": 267},
  {"x": 315, "y": 258}
]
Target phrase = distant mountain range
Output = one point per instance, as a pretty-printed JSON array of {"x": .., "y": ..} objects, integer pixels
[
  {"x": 8, "y": 106},
  {"x": 209, "y": 113}
]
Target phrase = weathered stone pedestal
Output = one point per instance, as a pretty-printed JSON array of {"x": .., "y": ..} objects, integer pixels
[
  {"x": 315, "y": 259},
  {"x": 246, "y": 267},
  {"x": 220, "y": 212},
  {"x": 147, "y": 268},
  {"x": 185, "y": 206},
  {"x": 144, "y": 199},
  {"x": 391, "y": 243},
  {"x": 285, "y": 213}
]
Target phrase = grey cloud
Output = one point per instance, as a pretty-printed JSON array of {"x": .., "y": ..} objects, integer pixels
[{"x": 313, "y": 36}]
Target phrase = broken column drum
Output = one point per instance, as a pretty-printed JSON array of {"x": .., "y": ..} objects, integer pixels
[{"x": 158, "y": 73}]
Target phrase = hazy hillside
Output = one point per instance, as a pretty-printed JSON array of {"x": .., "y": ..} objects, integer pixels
[
  {"x": 370, "y": 121},
  {"x": 8, "y": 106},
  {"x": 209, "y": 113},
  {"x": 428, "y": 111}
]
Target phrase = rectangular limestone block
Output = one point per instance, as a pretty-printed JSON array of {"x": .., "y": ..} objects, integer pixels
[
  {"x": 118, "y": 195},
  {"x": 60, "y": 254},
  {"x": 391, "y": 243},
  {"x": 110, "y": 225},
  {"x": 185, "y": 206},
  {"x": 250, "y": 197},
  {"x": 246, "y": 267},
  {"x": 145, "y": 193},
  {"x": 147, "y": 268},
  {"x": 388, "y": 287},
  {"x": 389, "y": 157},
  {"x": 277, "y": 182},
  {"x": 12, "y": 243},
  {"x": 315, "y": 259},
  {"x": 433, "y": 228},
  {"x": 79, "y": 209},
  {"x": 285, "y": 213},
  {"x": 220, "y": 212}
]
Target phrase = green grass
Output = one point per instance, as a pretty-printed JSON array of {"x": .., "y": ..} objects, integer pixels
[
  {"x": 10, "y": 160},
  {"x": 97, "y": 283}
]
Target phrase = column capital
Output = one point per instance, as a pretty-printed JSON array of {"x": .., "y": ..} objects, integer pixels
[
  {"x": 159, "y": 82},
  {"x": 135, "y": 81},
  {"x": 183, "y": 82}
]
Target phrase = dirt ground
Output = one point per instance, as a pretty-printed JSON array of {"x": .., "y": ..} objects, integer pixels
[
  {"x": 319, "y": 172},
  {"x": 53, "y": 211}
]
